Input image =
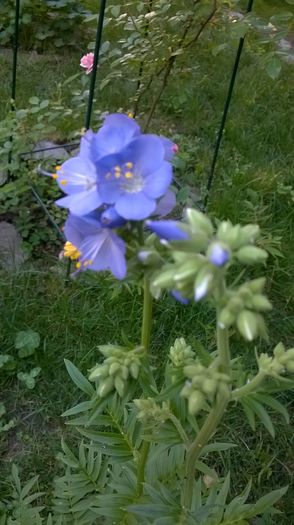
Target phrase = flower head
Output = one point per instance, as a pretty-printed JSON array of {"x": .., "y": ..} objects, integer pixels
[{"x": 87, "y": 62}]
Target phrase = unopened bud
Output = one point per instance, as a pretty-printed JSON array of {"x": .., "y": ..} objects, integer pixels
[
  {"x": 203, "y": 282},
  {"x": 199, "y": 221},
  {"x": 119, "y": 385},
  {"x": 260, "y": 303},
  {"x": 251, "y": 255},
  {"x": 195, "y": 403},
  {"x": 105, "y": 387},
  {"x": 247, "y": 325}
]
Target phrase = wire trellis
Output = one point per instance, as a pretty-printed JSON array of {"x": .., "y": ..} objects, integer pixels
[{"x": 89, "y": 107}]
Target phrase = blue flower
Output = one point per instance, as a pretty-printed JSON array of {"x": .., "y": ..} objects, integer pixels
[
  {"x": 135, "y": 178},
  {"x": 97, "y": 248},
  {"x": 179, "y": 297},
  {"x": 168, "y": 230},
  {"x": 166, "y": 204}
]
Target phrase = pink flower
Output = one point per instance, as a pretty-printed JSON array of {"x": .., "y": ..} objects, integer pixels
[{"x": 87, "y": 62}]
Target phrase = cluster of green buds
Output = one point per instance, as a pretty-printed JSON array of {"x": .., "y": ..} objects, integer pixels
[
  {"x": 201, "y": 254},
  {"x": 181, "y": 354},
  {"x": 243, "y": 307},
  {"x": 280, "y": 363},
  {"x": 121, "y": 365},
  {"x": 150, "y": 413},
  {"x": 202, "y": 386}
]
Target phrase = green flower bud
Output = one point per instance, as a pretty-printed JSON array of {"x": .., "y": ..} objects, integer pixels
[
  {"x": 235, "y": 304},
  {"x": 134, "y": 370},
  {"x": 204, "y": 282},
  {"x": 124, "y": 372},
  {"x": 256, "y": 285},
  {"x": 223, "y": 230},
  {"x": 290, "y": 367},
  {"x": 199, "y": 222},
  {"x": 165, "y": 279},
  {"x": 279, "y": 351},
  {"x": 149, "y": 257},
  {"x": 98, "y": 371},
  {"x": 114, "y": 367},
  {"x": 196, "y": 402},
  {"x": 251, "y": 255},
  {"x": 105, "y": 387},
  {"x": 187, "y": 270},
  {"x": 180, "y": 353},
  {"x": 247, "y": 325},
  {"x": 226, "y": 318},
  {"x": 209, "y": 387},
  {"x": 233, "y": 237},
  {"x": 260, "y": 303},
  {"x": 119, "y": 385},
  {"x": 249, "y": 233}
]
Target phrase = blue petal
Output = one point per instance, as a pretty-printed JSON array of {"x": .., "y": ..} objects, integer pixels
[
  {"x": 169, "y": 230},
  {"x": 170, "y": 148},
  {"x": 146, "y": 153},
  {"x": 135, "y": 206},
  {"x": 76, "y": 175},
  {"x": 166, "y": 204},
  {"x": 81, "y": 203},
  {"x": 115, "y": 134},
  {"x": 76, "y": 228},
  {"x": 157, "y": 183},
  {"x": 106, "y": 251}
]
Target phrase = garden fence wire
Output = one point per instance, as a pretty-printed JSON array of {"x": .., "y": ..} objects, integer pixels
[{"x": 89, "y": 106}]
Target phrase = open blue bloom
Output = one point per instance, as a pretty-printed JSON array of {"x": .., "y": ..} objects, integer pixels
[
  {"x": 78, "y": 178},
  {"x": 168, "y": 230},
  {"x": 218, "y": 254},
  {"x": 135, "y": 178},
  {"x": 98, "y": 248}
]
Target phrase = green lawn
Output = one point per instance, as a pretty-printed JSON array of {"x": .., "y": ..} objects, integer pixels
[{"x": 252, "y": 184}]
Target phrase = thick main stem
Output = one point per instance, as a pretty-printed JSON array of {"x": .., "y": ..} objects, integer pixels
[
  {"x": 212, "y": 420},
  {"x": 141, "y": 467}
]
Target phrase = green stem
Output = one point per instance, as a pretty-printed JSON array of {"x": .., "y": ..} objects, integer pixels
[
  {"x": 147, "y": 315},
  {"x": 249, "y": 387},
  {"x": 214, "y": 417},
  {"x": 141, "y": 467}
]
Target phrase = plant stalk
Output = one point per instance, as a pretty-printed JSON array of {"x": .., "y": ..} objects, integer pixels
[
  {"x": 141, "y": 467},
  {"x": 249, "y": 387},
  {"x": 214, "y": 417}
]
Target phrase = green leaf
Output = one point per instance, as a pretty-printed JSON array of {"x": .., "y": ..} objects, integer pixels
[
  {"x": 80, "y": 381},
  {"x": 34, "y": 100},
  {"x": 26, "y": 342},
  {"x": 263, "y": 415},
  {"x": 266, "y": 502},
  {"x": 274, "y": 404},
  {"x": 77, "y": 409},
  {"x": 273, "y": 67},
  {"x": 217, "y": 447}
]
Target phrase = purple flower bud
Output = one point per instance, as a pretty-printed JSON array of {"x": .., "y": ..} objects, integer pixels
[{"x": 218, "y": 254}]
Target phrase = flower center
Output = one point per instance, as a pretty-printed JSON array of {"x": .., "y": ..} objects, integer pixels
[{"x": 129, "y": 180}]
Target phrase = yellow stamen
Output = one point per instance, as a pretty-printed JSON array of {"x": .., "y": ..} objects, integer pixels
[
  {"x": 128, "y": 175},
  {"x": 129, "y": 165},
  {"x": 117, "y": 168},
  {"x": 78, "y": 265},
  {"x": 117, "y": 174},
  {"x": 58, "y": 168},
  {"x": 54, "y": 176},
  {"x": 130, "y": 114},
  {"x": 71, "y": 251},
  {"x": 63, "y": 182}
]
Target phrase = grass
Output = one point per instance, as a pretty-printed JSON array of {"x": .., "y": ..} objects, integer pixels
[{"x": 253, "y": 172}]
